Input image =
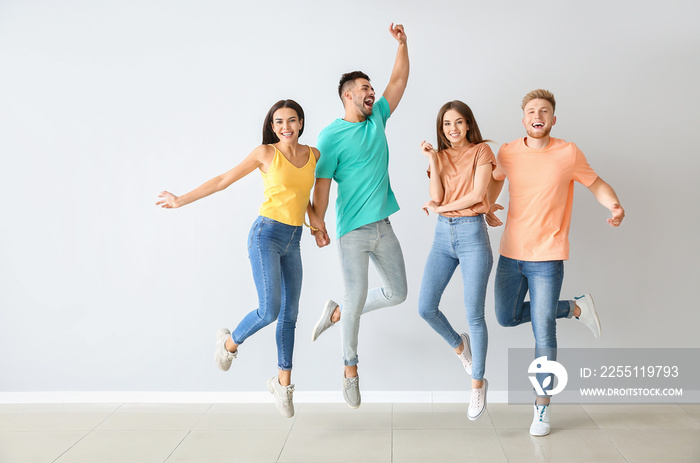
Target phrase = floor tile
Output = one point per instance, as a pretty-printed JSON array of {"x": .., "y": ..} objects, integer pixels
[
  {"x": 660, "y": 445},
  {"x": 124, "y": 446},
  {"x": 58, "y": 417},
  {"x": 133, "y": 417},
  {"x": 223, "y": 417},
  {"x": 562, "y": 445},
  {"x": 692, "y": 409},
  {"x": 439, "y": 446},
  {"x": 506, "y": 416},
  {"x": 437, "y": 416},
  {"x": 640, "y": 417},
  {"x": 340, "y": 416},
  {"x": 244, "y": 445},
  {"x": 33, "y": 447},
  {"x": 330, "y": 446},
  {"x": 6, "y": 417}
]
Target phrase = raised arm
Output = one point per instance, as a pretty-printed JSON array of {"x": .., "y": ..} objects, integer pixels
[
  {"x": 437, "y": 191},
  {"x": 251, "y": 162},
  {"x": 399, "y": 75},
  {"x": 320, "y": 204},
  {"x": 607, "y": 197}
]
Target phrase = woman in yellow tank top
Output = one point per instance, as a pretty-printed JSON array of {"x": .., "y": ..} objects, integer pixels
[{"x": 287, "y": 169}]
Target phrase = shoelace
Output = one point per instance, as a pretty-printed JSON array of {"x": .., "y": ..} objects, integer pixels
[
  {"x": 541, "y": 410},
  {"x": 290, "y": 391},
  {"x": 476, "y": 393},
  {"x": 352, "y": 381}
]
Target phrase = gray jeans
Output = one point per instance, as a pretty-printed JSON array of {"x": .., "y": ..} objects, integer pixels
[{"x": 377, "y": 242}]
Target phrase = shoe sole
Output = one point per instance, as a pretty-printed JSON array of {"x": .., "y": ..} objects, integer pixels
[
  {"x": 354, "y": 407},
  {"x": 219, "y": 334},
  {"x": 325, "y": 315},
  {"x": 595, "y": 317},
  {"x": 468, "y": 346},
  {"x": 539, "y": 435},
  {"x": 486, "y": 390}
]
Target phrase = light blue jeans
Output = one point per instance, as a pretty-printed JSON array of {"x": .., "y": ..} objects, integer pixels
[
  {"x": 275, "y": 256},
  {"x": 378, "y": 243},
  {"x": 514, "y": 278},
  {"x": 461, "y": 241}
]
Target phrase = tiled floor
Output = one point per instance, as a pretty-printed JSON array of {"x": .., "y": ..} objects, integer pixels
[{"x": 399, "y": 433}]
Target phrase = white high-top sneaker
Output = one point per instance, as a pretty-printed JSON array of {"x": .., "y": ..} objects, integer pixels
[{"x": 540, "y": 423}]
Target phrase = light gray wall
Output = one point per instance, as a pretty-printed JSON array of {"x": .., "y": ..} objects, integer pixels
[{"x": 104, "y": 104}]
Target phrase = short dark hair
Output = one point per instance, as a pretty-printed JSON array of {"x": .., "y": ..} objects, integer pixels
[
  {"x": 268, "y": 135},
  {"x": 347, "y": 79},
  {"x": 473, "y": 134}
]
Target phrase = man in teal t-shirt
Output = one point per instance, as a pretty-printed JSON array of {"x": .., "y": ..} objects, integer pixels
[{"x": 355, "y": 153}]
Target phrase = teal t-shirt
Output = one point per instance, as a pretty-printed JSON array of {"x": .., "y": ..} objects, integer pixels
[{"x": 356, "y": 156}]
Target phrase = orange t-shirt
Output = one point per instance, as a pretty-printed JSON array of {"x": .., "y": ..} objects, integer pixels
[
  {"x": 541, "y": 190},
  {"x": 457, "y": 167}
]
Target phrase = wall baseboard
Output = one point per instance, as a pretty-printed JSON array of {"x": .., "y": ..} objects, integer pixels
[{"x": 44, "y": 397}]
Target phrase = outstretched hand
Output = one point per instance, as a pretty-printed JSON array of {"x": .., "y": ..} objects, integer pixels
[
  {"x": 618, "y": 213},
  {"x": 168, "y": 201},
  {"x": 398, "y": 33},
  {"x": 491, "y": 218}
]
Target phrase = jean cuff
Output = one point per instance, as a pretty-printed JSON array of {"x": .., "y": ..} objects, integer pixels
[{"x": 572, "y": 307}]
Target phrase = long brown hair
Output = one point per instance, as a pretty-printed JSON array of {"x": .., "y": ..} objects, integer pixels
[
  {"x": 473, "y": 134},
  {"x": 268, "y": 135}
]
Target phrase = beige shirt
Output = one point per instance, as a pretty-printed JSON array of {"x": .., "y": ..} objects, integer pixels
[
  {"x": 541, "y": 190},
  {"x": 456, "y": 167}
]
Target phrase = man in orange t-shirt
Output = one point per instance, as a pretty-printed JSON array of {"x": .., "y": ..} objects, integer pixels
[{"x": 541, "y": 171}]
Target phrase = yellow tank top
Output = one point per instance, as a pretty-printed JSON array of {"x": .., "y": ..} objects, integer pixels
[{"x": 287, "y": 189}]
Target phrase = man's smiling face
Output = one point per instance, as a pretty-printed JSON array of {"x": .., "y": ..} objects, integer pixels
[{"x": 538, "y": 118}]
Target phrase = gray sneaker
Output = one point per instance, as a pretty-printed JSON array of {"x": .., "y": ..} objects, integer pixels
[
  {"x": 351, "y": 391},
  {"x": 283, "y": 396},
  {"x": 325, "y": 321},
  {"x": 223, "y": 357},
  {"x": 466, "y": 355},
  {"x": 589, "y": 316}
]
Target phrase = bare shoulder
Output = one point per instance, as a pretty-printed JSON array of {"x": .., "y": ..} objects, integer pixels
[
  {"x": 263, "y": 153},
  {"x": 317, "y": 153}
]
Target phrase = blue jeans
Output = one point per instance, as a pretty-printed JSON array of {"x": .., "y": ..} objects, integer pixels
[
  {"x": 377, "y": 242},
  {"x": 514, "y": 278},
  {"x": 275, "y": 256},
  {"x": 459, "y": 241}
]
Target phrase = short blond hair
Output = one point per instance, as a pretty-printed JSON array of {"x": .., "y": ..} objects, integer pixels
[{"x": 539, "y": 94}]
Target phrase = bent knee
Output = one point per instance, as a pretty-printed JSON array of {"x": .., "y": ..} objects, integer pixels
[
  {"x": 506, "y": 321},
  {"x": 267, "y": 316},
  {"x": 397, "y": 297},
  {"x": 426, "y": 312}
]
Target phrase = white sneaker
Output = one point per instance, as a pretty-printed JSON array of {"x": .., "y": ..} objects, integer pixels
[
  {"x": 325, "y": 321},
  {"x": 541, "y": 422},
  {"x": 283, "y": 396},
  {"x": 466, "y": 355},
  {"x": 589, "y": 316},
  {"x": 477, "y": 404},
  {"x": 223, "y": 357}
]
